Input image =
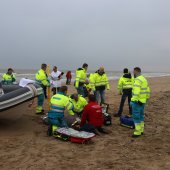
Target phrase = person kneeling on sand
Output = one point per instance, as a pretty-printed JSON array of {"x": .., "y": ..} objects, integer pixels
[
  {"x": 79, "y": 102},
  {"x": 92, "y": 117},
  {"x": 59, "y": 103}
]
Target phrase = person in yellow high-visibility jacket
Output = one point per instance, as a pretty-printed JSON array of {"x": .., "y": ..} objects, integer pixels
[
  {"x": 125, "y": 85},
  {"x": 101, "y": 83},
  {"x": 59, "y": 103},
  {"x": 8, "y": 78},
  {"x": 140, "y": 95},
  {"x": 79, "y": 102},
  {"x": 81, "y": 79},
  {"x": 42, "y": 79}
]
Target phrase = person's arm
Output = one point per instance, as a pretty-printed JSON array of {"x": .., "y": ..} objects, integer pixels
[
  {"x": 148, "y": 93},
  {"x": 13, "y": 78},
  {"x": 69, "y": 106},
  {"x": 120, "y": 85},
  {"x": 107, "y": 83},
  {"x": 78, "y": 76}
]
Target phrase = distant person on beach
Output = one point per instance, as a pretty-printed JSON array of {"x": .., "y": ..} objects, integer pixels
[
  {"x": 140, "y": 95},
  {"x": 42, "y": 79},
  {"x": 101, "y": 83},
  {"x": 56, "y": 80},
  {"x": 68, "y": 78},
  {"x": 79, "y": 103},
  {"x": 125, "y": 85},
  {"x": 59, "y": 103},
  {"x": 8, "y": 78},
  {"x": 92, "y": 117},
  {"x": 81, "y": 79}
]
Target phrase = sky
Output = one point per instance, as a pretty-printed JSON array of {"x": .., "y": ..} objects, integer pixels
[{"x": 110, "y": 33}]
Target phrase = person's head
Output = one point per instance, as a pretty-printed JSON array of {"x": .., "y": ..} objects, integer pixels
[
  {"x": 85, "y": 66},
  {"x": 55, "y": 68},
  {"x": 44, "y": 66},
  {"x": 92, "y": 98},
  {"x": 10, "y": 71},
  {"x": 101, "y": 70},
  {"x": 63, "y": 89},
  {"x": 125, "y": 71},
  {"x": 136, "y": 71},
  {"x": 75, "y": 96}
]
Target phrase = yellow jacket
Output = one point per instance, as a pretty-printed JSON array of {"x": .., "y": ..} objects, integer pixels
[
  {"x": 60, "y": 102},
  {"x": 125, "y": 82},
  {"x": 8, "y": 79},
  {"x": 42, "y": 78},
  {"x": 80, "y": 77},
  {"x": 100, "y": 81},
  {"x": 141, "y": 90},
  {"x": 79, "y": 105}
]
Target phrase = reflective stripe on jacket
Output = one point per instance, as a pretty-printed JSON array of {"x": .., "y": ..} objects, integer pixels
[
  {"x": 101, "y": 80},
  {"x": 41, "y": 77},
  {"x": 8, "y": 79},
  {"x": 80, "y": 77},
  {"x": 59, "y": 103},
  {"x": 141, "y": 90}
]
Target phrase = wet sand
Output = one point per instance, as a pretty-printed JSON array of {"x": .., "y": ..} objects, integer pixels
[{"x": 24, "y": 143}]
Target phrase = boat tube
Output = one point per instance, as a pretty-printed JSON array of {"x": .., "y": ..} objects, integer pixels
[{"x": 14, "y": 95}]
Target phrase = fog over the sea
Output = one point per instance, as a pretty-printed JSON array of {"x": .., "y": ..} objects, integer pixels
[{"x": 67, "y": 33}]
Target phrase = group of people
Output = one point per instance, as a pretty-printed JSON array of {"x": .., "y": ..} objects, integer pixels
[
  {"x": 93, "y": 86},
  {"x": 86, "y": 103}
]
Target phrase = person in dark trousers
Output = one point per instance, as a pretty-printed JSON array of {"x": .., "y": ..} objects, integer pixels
[
  {"x": 68, "y": 78},
  {"x": 92, "y": 117},
  {"x": 125, "y": 85}
]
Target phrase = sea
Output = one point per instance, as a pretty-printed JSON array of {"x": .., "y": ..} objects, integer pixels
[{"x": 112, "y": 75}]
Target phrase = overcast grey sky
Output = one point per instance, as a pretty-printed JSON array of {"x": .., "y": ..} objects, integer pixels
[{"x": 66, "y": 33}]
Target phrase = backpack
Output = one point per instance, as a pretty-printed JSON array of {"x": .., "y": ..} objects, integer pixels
[{"x": 127, "y": 121}]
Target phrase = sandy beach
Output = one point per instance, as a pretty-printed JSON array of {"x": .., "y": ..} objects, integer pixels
[{"x": 24, "y": 143}]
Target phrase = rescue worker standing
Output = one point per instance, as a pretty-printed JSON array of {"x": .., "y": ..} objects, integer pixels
[
  {"x": 8, "y": 78},
  {"x": 140, "y": 95},
  {"x": 59, "y": 103},
  {"x": 125, "y": 89},
  {"x": 79, "y": 103},
  {"x": 81, "y": 79},
  {"x": 42, "y": 79},
  {"x": 101, "y": 83}
]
